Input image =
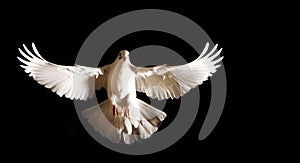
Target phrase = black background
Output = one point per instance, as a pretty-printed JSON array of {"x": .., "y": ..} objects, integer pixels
[{"x": 47, "y": 126}]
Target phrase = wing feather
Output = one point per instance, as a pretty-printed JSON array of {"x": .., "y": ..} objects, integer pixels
[
  {"x": 74, "y": 82},
  {"x": 164, "y": 82}
]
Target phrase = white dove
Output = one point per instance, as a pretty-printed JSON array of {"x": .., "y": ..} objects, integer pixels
[{"x": 122, "y": 112}]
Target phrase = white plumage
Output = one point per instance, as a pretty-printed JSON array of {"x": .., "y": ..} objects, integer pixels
[{"x": 122, "y": 114}]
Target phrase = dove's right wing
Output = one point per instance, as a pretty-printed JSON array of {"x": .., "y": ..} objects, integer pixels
[
  {"x": 164, "y": 82},
  {"x": 75, "y": 82}
]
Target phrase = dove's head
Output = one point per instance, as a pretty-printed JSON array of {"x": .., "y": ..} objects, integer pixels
[{"x": 123, "y": 55}]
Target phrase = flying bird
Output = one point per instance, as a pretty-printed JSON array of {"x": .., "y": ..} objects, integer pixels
[{"x": 122, "y": 114}]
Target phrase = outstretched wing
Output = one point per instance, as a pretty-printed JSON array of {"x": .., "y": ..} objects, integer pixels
[
  {"x": 75, "y": 82},
  {"x": 165, "y": 82}
]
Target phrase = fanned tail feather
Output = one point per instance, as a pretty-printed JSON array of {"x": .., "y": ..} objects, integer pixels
[{"x": 142, "y": 122}]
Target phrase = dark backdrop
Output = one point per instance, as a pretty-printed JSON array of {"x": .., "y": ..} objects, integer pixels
[{"x": 47, "y": 126}]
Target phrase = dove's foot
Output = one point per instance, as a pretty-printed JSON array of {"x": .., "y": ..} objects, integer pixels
[
  {"x": 127, "y": 113},
  {"x": 115, "y": 110}
]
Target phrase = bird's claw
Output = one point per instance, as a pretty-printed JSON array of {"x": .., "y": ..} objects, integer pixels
[
  {"x": 115, "y": 110},
  {"x": 127, "y": 113}
]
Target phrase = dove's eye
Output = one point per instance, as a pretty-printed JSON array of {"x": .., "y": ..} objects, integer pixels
[{"x": 120, "y": 54}]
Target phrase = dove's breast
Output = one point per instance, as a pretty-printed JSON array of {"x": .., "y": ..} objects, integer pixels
[{"x": 122, "y": 83}]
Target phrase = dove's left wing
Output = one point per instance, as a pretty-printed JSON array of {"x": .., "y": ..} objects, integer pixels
[
  {"x": 165, "y": 82},
  {"x": 75, "y": 82}
]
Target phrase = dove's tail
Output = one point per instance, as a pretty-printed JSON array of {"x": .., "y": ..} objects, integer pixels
[
  {"x": 102, "y": 119},
  {"x": 143, "y": 120}
]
